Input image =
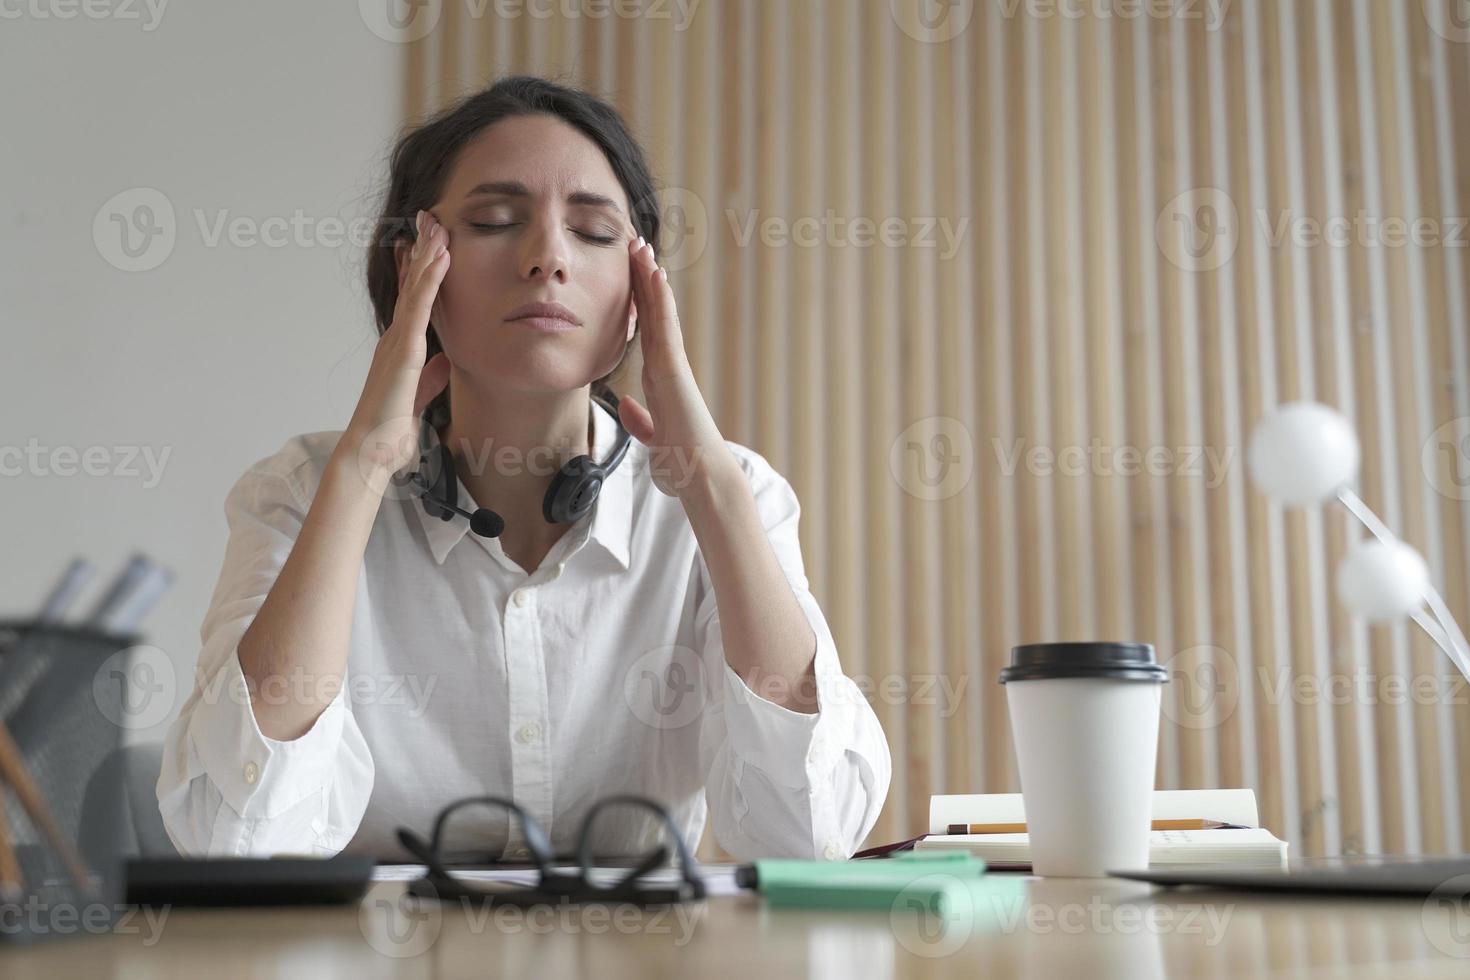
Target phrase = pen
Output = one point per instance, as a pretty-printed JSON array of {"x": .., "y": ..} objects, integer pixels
[
  {"x": 60, "y": 599},
  {"x": 144, "y": 594},
  {"x": 118, "y": 591},
  {"x": 1020, "y": 828}
]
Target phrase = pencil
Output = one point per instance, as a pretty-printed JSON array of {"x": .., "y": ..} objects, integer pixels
[
  {"x": 11, "y": 882},
  {"x": 13, "y": 771}
]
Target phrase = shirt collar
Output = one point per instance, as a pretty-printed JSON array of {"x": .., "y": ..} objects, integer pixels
[{"x": 610, "y": 517}]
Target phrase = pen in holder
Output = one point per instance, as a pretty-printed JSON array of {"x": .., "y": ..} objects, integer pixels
[
  {"x": 1305, "y": 453},
  {"x": 15, "y": 776}
]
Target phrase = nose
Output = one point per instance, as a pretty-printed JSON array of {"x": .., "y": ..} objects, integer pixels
[{"x": 545, "y": 254}]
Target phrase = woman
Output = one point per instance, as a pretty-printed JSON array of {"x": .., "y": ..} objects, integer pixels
[{"x": 365, "y": 663}]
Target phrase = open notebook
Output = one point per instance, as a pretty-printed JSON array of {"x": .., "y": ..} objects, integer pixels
[{"x": 1252, "y": 845}]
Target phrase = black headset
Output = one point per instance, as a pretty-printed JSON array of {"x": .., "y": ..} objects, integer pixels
[{"x": 571, "y": 495}]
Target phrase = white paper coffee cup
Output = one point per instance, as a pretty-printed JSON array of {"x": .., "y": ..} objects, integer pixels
[{"x": 1085, "y": 720}]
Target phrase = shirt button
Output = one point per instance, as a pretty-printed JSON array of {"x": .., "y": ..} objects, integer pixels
[
  {"x": 527, "y": 733},
  {"x": 832, "y": 852},
  {"x": 252, "y": 772},
  {"x": 519, "y": 598}
]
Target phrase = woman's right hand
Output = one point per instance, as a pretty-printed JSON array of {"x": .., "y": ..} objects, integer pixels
[{"x": 384, "y": 431}]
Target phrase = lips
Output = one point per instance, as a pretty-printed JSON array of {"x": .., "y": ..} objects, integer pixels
[{"x": 544, "y": 311}]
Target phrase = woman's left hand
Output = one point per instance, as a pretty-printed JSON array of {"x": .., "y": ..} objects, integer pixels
[{"x": 686, "y": 448}]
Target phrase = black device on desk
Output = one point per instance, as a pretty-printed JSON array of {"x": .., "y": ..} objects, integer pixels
[{"x": 248, "y": 881}]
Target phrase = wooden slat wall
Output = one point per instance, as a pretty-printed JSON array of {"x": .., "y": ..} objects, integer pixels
[{"x": 1053, "y": 144}]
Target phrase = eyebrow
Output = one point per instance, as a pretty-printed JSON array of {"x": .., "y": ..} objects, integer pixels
[{"x": 514, "y": 188}]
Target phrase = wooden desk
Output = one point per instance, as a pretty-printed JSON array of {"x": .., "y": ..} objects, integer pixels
[{"x": 1067, "y": 928}]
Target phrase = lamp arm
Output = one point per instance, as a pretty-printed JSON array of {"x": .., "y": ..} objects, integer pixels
[
  {"x": 1364, "y": 513},
  {"x": 1454, "y": 640},
  {"x": 1441, "y": 627}
]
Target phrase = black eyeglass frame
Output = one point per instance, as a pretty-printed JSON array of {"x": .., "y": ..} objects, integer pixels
[{"x": 554, "y": 886}]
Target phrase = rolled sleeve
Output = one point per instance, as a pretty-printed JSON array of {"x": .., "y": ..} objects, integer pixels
[
  {"x": 225, "y": 788},
  {"x": 259, "y": 776},
  {"x": 789, "y": 782},
  {"x": 789, "y": 744}
]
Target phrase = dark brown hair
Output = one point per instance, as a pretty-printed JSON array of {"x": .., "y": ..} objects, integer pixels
[{"x": 424, "y": 156}]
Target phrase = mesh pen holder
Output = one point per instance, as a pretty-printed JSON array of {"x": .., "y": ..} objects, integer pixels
[{"x": 64, "y": 701}]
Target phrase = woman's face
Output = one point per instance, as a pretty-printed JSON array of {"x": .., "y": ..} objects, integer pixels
[{"x": 534, "y": 215}]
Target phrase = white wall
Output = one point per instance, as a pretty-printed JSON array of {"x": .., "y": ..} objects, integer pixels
[{"x": 220, "y": 353}]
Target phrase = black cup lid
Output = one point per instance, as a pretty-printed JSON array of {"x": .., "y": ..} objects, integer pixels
[{"x": 1106, "y": 661}]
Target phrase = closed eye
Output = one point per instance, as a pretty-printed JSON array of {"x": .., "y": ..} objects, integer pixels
[{"x": 491, "y": 229}]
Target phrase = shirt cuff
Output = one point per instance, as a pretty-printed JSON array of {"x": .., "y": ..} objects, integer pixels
[
  {"x": 259, "y": 776},
  {"x": 790, "y": 746}
]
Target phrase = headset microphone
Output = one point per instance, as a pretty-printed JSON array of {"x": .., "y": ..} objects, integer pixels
[{"x": 484, "y": 522}]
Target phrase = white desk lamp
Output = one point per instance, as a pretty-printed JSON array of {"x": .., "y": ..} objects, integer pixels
[{"x": 1304, "y": 453}]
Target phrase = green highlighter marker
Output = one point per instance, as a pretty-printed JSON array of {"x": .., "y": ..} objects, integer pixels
[{"x": 939, "y": 883}]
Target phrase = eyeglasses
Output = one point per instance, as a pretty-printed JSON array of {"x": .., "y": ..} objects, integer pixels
[{"x": 552, "y": 885}]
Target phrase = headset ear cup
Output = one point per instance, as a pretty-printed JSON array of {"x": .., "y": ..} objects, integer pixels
[{"x": 573, "y": 491}]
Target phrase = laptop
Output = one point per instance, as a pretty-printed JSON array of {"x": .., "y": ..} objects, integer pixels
[{"x": 1443, "y": 876}]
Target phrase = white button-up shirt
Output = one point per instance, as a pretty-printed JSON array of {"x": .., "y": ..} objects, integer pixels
[{"x": 601, "y": 673}]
